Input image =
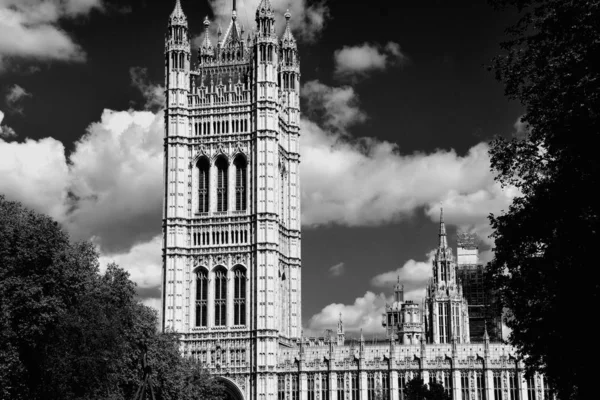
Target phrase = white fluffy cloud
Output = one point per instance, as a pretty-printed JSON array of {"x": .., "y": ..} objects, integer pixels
[
  {"x": 143, "y": 262},
  {"x": 30, "y": 29},
  {"x": 109, "y": 189},
  {"x": 358, "y": 61},
  {"x": 365, "y": 313},
  {"x": 414, "y": 275},
  {"x": 307, "y": 22},
  {"x": 35, "y": 173},
  {"x": 336, "y": 107},
  {"x": 6, "y": 132}
]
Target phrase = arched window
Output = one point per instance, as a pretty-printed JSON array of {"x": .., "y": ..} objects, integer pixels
[
  {"x": 221, "y": 184},
  {"x": 239, "y": 297},
  {"x": 220, "y": 297},
  {"x": 201, "y": 297},
  {"x": 240, "y": 183},
  {"x": 203, "y": 185}
]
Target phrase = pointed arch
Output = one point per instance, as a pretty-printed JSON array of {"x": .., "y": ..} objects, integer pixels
[
  {"x": 201, "y": 318},
  {"x": 232, "y": 391},
  {"x": 239, "y": 295},
  {"x": 203, "y": 166},
  {"x": 222, "y": 182},
  {"x": 220, "y": 291},
  {"x": 241, "y": 182}
]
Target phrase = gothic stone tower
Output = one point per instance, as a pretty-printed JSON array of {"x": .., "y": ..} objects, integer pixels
[
  {"x": 447, "y": 315},
  {"x": 231, "y": 218}
]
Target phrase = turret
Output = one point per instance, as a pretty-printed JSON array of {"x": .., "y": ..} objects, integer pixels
[
  {"x": 340, "y": 332},
  {"x": 399, "y": 292},
  {"x": 206, "y": 52},
  {"x": 177, "y": 64},
  {"x": 265, "y": 19}
]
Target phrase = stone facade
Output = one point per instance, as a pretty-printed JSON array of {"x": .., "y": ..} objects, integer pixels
[{"x": 231, "y": 250}]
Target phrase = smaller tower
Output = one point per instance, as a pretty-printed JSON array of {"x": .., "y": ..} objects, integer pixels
[
  {"x": 447, "y": 311},
  {"x": 206, "y": 52},
  {"x": 341, "y": 336},
  {"x": 177, "y": 63}
]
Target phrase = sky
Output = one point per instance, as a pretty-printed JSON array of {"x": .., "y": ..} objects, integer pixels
[{"x": 398, "y": 112}]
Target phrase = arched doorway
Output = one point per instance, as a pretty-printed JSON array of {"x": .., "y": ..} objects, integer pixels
[{"x": 232, "y": 392}]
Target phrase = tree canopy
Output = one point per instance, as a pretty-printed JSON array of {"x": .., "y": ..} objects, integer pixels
[
  {"x": 545, "y": 242},
  {"x": 416, "y": 389},
  {"x": 68, "y": 331}
]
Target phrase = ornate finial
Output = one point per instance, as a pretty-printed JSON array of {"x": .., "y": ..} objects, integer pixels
[
  {"x": 287, "y": 14},
  {"x": 177, "y": 16},
  {"x": 443, "y": 239},
  {"x": 206, "y": 22}
]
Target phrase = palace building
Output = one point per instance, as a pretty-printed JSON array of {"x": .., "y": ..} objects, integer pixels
[{"x": 232, "y": 232}]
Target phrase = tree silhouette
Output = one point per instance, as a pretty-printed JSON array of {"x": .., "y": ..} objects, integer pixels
[{"x": 545, "y": 242}]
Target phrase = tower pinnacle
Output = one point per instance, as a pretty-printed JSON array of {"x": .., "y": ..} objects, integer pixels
[
  {"x": 443, "y": 239},
  {"x": 178, "y": 16}
]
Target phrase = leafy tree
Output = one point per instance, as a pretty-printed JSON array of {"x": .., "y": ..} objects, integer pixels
[
  {"x": 69, "y": 332},
  {"x": 545, "y": 242},
  {"x": 416, "y": 389}
]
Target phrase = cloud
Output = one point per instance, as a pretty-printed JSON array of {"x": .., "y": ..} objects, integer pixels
[
  {"x": 359, "y": 61},
  {"x": 116, "y": 179},
  {"x": 143, "y": 262},
  {"x": 414, "y": 275},
  {"x": 337, "y": 108},
  {"x": 307, "y": 22},
  {"x": 365, "y": 313},
  {"x": 153, "y": 94},
  {"x": 14, "y": 98},
  {"x": 35, "y": 172},
  {"x": 30, "y": 29},
  {"x": 337, "y": 269},
  {"x": 6, "y": 132}
]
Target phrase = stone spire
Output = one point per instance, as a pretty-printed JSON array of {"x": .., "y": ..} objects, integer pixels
[
  {"x": 443, "y": 239},
  {"x": 206, "y": 49},
  {"x": 288, "y": 40},
  {"x": 178, "y": 16},
  {"x": 399, "y": 291},
  {"x": 264, "y": 8}
]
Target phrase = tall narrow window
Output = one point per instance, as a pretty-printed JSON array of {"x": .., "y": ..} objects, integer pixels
[
  {"x": 464, "y": 384},
  {"x": 203, "y": 185},
  {"x": 311, "y": 387},
  {"x": 324, "y": 387},
  {"x": 401, "y": 385},
  {"x": 448, "y": 383},
  {"x": 513, "y": 387},
  {"x": 371, "y": 386},
  {"x": 220, "y": 297},
  {"x": 341, "y": 393},
  {"x": 221, "y": 165},
  {"x": 281, "y": 387},
  {"x": 201, "y": 297},
  {"x": 295, "y": 387},
  {"x": 239, "y": 297},
  {"x": 480, "y": 382},
  {"x": 354, "y": 386},
  {"x": 442, "y": 318},
  {"x": 240, "y": 183},
  {"x": 385, "y": 383},
  {"x": 497, "y": 385}
]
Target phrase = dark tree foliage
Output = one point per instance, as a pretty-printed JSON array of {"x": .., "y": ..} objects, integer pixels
[
  {"x": 69, "y": 332},
  {"x": 416, "y": 389},
  {"x": 546, "y": 241}
]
